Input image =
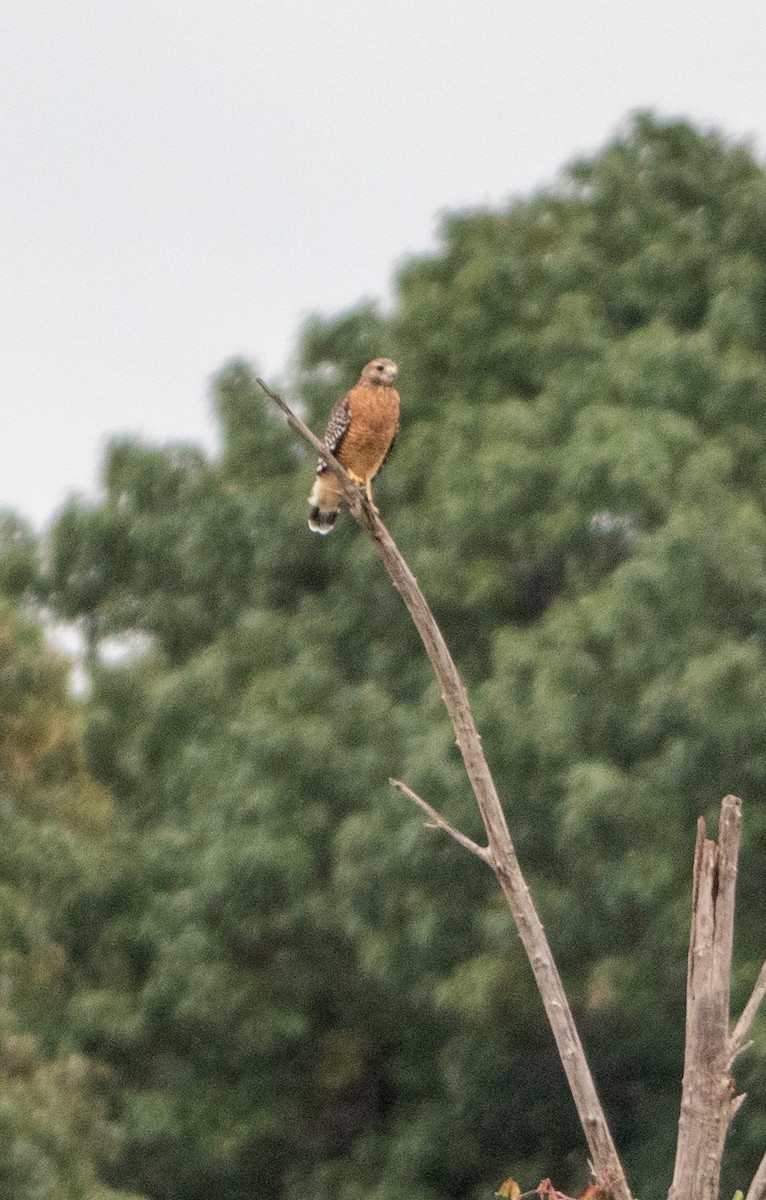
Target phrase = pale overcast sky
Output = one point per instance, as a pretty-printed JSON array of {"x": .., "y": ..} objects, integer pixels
[{"x": 183, "y": 181}]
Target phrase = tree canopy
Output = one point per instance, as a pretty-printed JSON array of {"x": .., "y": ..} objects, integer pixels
[{"x": 293, "y": 989}]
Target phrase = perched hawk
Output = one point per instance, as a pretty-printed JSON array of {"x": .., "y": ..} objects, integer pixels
[{"x": 360, "y": 433}]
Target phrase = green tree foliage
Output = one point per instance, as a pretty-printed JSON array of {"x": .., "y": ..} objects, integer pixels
[
  {"x": 54, "y": 821},
  {"x": 18, "y": 556},
  {"x": 167, "y": 552},
  {"x": 301, "y": 992}
]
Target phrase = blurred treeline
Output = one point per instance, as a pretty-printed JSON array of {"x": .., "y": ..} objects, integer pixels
[{"x": 234, "y": 965}]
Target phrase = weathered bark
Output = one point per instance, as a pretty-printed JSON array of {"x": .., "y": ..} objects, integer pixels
[
  {"x": 707, "y": 1099},
  {"x": 501, "y": 855},
  {"x": 757, "y": 1189}
]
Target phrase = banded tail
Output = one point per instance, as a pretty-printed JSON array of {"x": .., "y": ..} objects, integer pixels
[{"x": 325, "y": 501}]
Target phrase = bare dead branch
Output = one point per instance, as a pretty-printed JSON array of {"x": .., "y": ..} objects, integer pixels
[
  {"x": 438, "y": 821},
  {"x": 501, "y": 853},
  {"x": 305, "y": 432},
  {"x": 742, "y": 1028},
  {"x": 757, "y": 1189},
  {"x": 707, "y": 1098}
]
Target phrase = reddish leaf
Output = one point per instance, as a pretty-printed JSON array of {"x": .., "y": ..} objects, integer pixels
[
  {"x": 596, "y": 1191},
  {"x": 510, "y": 1188},
  {"x": 547, "y": 1191}
]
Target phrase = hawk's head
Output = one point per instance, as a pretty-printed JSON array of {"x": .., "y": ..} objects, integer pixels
[{"x": 380, "y": 370}]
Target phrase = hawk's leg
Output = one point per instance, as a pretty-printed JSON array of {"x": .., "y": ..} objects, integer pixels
[{"x": 368, "y": 493}]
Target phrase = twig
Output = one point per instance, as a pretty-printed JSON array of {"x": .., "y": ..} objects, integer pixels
[
  {"x": 304, "y": 431},
  {"x": 436, "y": 819},
  {"x": 741, "y": 1029},
  {"x": 500, "y": 852}
]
